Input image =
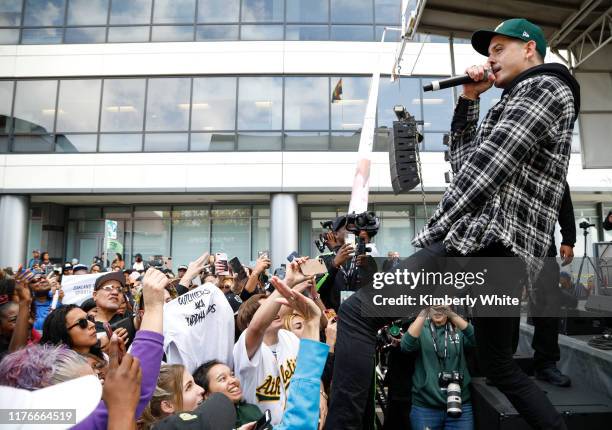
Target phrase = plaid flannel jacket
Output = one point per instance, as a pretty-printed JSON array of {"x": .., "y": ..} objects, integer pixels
[{"x": 509, "y": 173}]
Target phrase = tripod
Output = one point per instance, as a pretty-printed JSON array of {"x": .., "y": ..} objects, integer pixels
[{"x": 585, "y": 257}]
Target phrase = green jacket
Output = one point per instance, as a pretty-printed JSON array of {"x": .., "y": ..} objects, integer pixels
[{"x": 426, "y": 391}]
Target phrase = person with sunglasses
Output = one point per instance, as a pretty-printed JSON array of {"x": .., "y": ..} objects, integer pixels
[
  {"x": 108, "y": 290},
  {"x": 71, "y": 326}
]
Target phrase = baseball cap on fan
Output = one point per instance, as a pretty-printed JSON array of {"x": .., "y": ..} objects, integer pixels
[{"x": 517, "y": 28}]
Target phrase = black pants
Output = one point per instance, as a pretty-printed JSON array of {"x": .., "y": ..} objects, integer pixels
[
  {"x": 355, "y": 351},
  {"x": 545, "y": 318}
]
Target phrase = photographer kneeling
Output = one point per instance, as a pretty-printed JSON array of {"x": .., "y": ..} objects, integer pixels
[{"x": 440, "y": 383}]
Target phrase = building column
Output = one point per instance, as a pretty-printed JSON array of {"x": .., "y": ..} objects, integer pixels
[
  {"x": 14, "y": 214},
  {"x": 283, "y": 227}
]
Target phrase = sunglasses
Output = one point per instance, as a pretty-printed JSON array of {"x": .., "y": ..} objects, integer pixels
[{"x": 83, "y": 322}]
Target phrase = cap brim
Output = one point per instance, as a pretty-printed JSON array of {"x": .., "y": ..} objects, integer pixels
[
  {"x": 81, "y": 394},
  {"x": 481, "y": 40}
]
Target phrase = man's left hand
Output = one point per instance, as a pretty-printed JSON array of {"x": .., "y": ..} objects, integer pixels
[{"x": 567, "y": 254}]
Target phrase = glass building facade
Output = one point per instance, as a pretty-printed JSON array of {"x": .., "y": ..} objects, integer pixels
[
  {"x": 120, "y": 21},
  {"x": 228, "y": 113}
]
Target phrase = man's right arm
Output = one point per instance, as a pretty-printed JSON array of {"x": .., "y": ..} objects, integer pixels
[{"x": 463, "y": 130}]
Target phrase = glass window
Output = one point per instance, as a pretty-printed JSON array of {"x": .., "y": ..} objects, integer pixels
[
  {"x": 232, "y": 237},
  {"x": 168, "y": 104},
  {"x": 307, "y": 10},
  {"x": 217, "y": 32},
  {"x": 433, "y": 142},
  {"x": 214, "y": 104},
  {"x": 262, "y": 10},
  {"x": 85, "y": 35},
  {"x": 218, "y": 10},
  {"x": 174, "y": 11},
  {"x": 4, "y": 144},
  {"x": 343, "y": 141},
  {"x": 260, "y": 240},
  {"x": 259, "y": 141},
  {"x": 212, "y": 141},
  {"x": 356, "y": 33},
  {"x": 84, "y": 213},
  {"x": 395, "y": 235},
  {"x": 151, "y": 237},
  {"x": 391, "y": 36},
  {"x": 123, "y": 105},
  {"x": 40, "y": 143},
  {"x": 41, "y": 36},
  {"x": 131, "y": 12},
  {"x": 117, "y": 212},
  {"x": 405, "y": 91},
  {"x": 172, "y": 33},
  {"x": 120, "y": 143},
  {"x": 152, "y": 212},
  {"x": 76, "y": 143},
  {"x": 87, "y": 12},
  {"x": 261, "y": 32},
  {"x": 388, "y": 12},
  {"x": 352, "y": 11},
  {"x": 298, "y": 141},
  {"x": 307, "y": 32},
  {"x": 306, "y": 103},
  {"x": 230, "y": 211},
  {"x": 6, "y": 99},
  {"x": 128, "y": 34},
  {"x": 35, "y": 106},
  {"x": 383, "y": 139},
  {"x": 9, "y": 37},
  {"x": 348, "y": 108},
  {"x": 437, "y": 110},
  {"x": 10, "y": 13},
  {"x": 79, "y": 105},
  {"x": 44, "y": 12},
  {"x": 166, "y": 142},
  {"x": 190, "y": 238},
  {"x": 260, "y": 103}
]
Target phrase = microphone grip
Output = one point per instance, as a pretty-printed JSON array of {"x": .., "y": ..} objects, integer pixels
[{"x": 450, "y": 82}]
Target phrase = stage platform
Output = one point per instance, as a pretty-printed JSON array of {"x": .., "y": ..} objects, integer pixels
[{"x": 588, "y": 367}]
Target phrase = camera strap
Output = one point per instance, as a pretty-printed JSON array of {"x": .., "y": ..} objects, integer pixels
[{"x": 441, "y": 358}]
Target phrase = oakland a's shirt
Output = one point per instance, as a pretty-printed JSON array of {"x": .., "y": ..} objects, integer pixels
[{"x": 265, "y": 378}]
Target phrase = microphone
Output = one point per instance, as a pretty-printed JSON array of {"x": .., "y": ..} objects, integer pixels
[{"x": 456, "y": 80}]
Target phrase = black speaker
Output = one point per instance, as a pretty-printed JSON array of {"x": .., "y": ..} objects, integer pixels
[
  {"x": 581, "y": 408},
  {"x": 403, "y": 156}
]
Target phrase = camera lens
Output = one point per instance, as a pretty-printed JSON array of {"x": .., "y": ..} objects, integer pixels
[{"x": 453, "y": 400}]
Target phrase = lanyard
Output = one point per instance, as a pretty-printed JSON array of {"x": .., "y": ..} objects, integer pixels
[{"x": 442, "y": 358}]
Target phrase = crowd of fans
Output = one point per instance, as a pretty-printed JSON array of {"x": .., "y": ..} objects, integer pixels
[
  {"x": 218, "y": 345},
  {"x": 206, "y": 345}
]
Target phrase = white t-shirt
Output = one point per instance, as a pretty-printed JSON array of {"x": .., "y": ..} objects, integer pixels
[
  {"x": 265, "y": 377},
  {"x": 138, "y": 266},
  {"x": 198, "y": 327}
]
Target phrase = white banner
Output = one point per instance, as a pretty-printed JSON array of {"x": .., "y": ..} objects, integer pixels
[{"x": 78, "y": 288}]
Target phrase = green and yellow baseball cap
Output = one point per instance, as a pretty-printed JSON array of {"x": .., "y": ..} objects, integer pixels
[{"x": 518, "y": 28}]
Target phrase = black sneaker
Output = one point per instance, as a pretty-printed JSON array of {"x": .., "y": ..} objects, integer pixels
[{"x": 553, "y": 376}]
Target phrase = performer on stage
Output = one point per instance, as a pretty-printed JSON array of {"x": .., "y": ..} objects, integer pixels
[{"x": 509, "y": 177}]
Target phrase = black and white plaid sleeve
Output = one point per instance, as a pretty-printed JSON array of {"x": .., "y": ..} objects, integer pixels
[{"x": 463, "y": 131}]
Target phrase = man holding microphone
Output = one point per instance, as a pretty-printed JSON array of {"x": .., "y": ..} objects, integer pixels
[{"x": 509, "y": 178}]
